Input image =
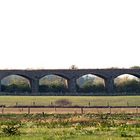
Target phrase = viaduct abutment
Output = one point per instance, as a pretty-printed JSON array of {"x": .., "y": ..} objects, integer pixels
[{"x": 71, "y": 75}]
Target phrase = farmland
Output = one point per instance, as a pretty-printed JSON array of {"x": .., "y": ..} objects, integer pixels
[
  {"x": 70, "y": 126},
  {"x": 75, "y": 100},
  {"x": 69, "y": 123}
]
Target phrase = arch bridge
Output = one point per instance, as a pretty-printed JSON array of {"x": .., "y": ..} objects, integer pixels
[{"x": 71, "y": 75}]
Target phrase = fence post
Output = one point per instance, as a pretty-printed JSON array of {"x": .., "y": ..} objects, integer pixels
[
  {"x": 2, "y": 110},
  {"x": 127, "y": 103},
  {"x": 109, "y": 110},
  {"x": 136, "y": 110},
  {"x": 82, "y": 111},
  {"x": 29, "y": 110},
  {"x": 16, "y": 103},
  {"x": 89, "y": 103},
  {"x": 55, "y": 108}
]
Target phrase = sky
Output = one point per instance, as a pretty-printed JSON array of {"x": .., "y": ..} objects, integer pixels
[{"x": 55, "y": 34}]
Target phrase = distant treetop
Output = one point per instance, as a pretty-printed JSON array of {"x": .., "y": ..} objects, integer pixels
[
  {"x": 135, "y": 67},
  {"x": 73, "y": 67}
]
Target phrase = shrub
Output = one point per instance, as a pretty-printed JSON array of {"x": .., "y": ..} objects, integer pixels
[
  {"x": 91, "y": 88},
  {"x": 16, "y": 88},
  {"x": 129, "y": 86},
  {"x": 11, "y": 128},
  {"x": 63, "y": 102},
  {"x": 53, "y": 88}
]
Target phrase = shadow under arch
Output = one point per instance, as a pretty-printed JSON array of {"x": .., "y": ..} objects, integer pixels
[
  {"x": 127, "y": 84},
  {"x": 90, "y": 83},
  {"x": 16, "y": 84},
  {"x": 53, "y": 83}
]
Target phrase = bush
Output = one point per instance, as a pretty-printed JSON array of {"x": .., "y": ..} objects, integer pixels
[
  {"x": 53, "y": 88},
  {"x": 63, "y": 102},
  {"x": 11, "y": 128},
  {"x": 130, "y": 86},
  {"x": 91, "y": 88},
  {"x": 16, "y": 88}
]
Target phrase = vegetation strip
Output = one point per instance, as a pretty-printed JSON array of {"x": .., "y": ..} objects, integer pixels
[
  {"x": 73, "y": 107},
  {"x": 69, "y": 126}
]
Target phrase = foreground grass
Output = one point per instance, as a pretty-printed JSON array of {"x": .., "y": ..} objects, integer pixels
[
  {"x": 70, "y": 127},
  {"x": 76, "y": 100},
  {"x": 86, "y": 137}
]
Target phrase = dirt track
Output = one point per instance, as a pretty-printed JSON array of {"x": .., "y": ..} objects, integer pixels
[{"x": 67, "y": 110}]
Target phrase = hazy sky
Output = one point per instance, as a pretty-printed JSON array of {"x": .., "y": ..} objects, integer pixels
[{"x": 59, "y": 33}]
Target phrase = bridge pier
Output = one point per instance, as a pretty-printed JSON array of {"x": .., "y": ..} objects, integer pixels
[
  {"x": 34, "y": 86},
  {"x": 109, "y": 85},
  {"x": 0, "y": 86},
  {"x": 72, "y": 85}
]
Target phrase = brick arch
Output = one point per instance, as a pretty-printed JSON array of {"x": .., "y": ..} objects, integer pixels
[
  {"x": 50, "y": 86},
  {"x": 94, "y": 88},
  {"x": 126, "y": 85},
  {"x": 55, "y": 74},
  {"x": 24, "y": 76},
  {"x": 133, "y": 74},
  {"x": 20, "y": 76},
  {"x": 98, "y": 75}
]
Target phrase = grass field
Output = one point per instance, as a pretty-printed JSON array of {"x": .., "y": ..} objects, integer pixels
[
  {"x": 76, "y": 100},
  {"x": 70, "y": 127}
]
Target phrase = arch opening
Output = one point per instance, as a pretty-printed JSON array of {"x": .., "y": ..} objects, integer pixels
[
  {"x": 127, "y": 84},
  {"x": 53, "y": 83},
  {"x": 15, "y": 84},
  {"x": 90, "y": 83}
]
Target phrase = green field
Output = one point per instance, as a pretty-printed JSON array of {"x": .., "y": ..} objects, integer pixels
[
  {"x": 76, "y": 100},
  {"x": 70, "y": 127},
  {"x": 45, "y": 126}
]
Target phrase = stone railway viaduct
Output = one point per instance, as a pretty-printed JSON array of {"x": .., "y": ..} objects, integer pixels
[{"x": 71, "y": 75}]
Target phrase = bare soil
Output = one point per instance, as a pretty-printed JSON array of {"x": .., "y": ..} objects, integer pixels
[{"x": 68, "y": 110}]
